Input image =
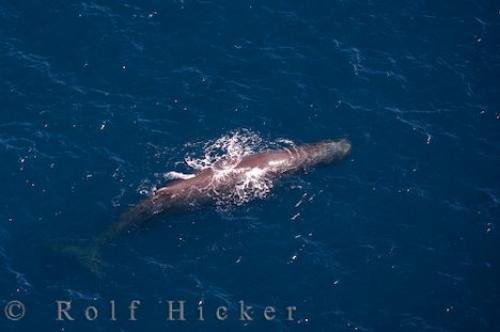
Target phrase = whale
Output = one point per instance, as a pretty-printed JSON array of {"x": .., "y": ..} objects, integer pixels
[{"x": 206, "y": 187}]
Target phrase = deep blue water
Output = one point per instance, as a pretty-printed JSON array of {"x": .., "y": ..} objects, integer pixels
[{"x": 100, "y": 98}]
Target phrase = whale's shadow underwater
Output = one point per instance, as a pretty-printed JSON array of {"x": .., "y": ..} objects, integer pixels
[{"x": 203, "y": 188}]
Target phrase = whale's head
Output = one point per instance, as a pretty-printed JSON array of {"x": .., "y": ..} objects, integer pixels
[
  {"x": 327, "y": 151},
  {"x": 298, "y": 156}
]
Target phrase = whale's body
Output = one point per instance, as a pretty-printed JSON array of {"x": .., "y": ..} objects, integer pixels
[{"x": 207, "y": 185}]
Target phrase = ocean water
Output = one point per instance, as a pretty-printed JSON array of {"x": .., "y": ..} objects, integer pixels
[{"x": 100, "y": 99}]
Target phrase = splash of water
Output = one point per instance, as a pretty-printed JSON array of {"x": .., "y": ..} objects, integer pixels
[
  {"x": 223, "y": 155},
  {"x": 227, "y": 150}
]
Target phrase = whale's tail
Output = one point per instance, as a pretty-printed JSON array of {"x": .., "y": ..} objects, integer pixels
[{"x": 86, "y": 252}]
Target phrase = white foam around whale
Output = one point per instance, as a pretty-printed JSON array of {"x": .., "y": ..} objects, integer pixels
[{"x": 224, "y": 153}]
